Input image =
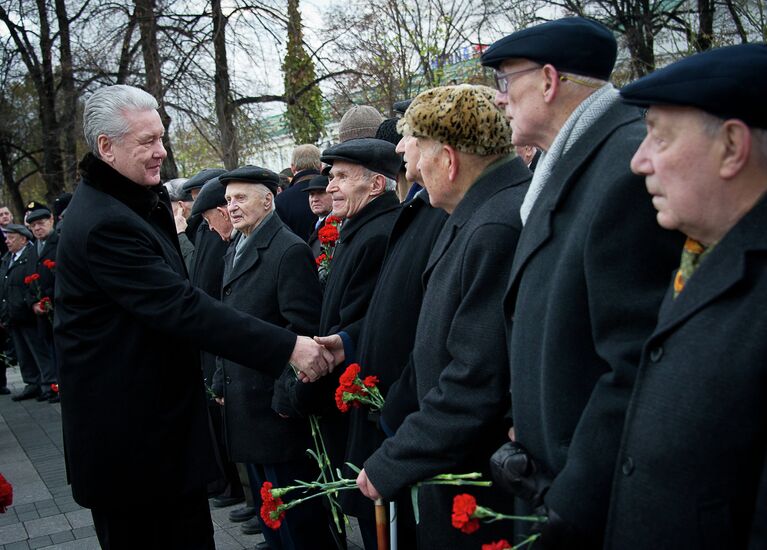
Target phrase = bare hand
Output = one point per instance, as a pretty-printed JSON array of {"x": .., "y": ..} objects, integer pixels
[
  {"x": 366, "y": 487},
  {"x": 220, "y": 401},
  {"x": 334, "y": 345},
  {"x": 38, "y": 309},
  {"x": 311, "y": 359},
  {"x": 178, "y": 217},
  {"x": 512, "y": 435}
]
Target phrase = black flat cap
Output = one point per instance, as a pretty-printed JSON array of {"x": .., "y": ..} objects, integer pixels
[
  {"x": 723, "y": 82},
  {"x": 18, "y": 228},
  {"x": 317, "y": 183},
  {"x": 201, "y": 178},
  {"x": 401, "y": 106},
  {"x": 376, "y": 155},
  {"x": 39, "y": 214},
  {"x": 252, "y": 174},
  {"x": 211, "y": 195},
  {"x": 61, "y": 203},
  {"x": 572, "y": 44}
]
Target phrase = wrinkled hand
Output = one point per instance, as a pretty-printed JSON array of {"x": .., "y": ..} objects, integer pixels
[
  {"x": 178, "y": 217},
  {"x": 367, "y": 488},
  {"x": 334, "y": 345},
  {"x": 311, "y": 359}
]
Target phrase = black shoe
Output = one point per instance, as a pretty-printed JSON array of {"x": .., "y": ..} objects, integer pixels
[
  {"x": 251, "y": 527},
  {"x": 55, "y": 398},
  {"x": 4, "y": 391},
  {"x": 30, "y": 392},
  {"x": 263, "y": 545},
  {"x": 45, "y": 396},
  {"x": 242, "y": 514},
  {"x": 223, "y": 502}
]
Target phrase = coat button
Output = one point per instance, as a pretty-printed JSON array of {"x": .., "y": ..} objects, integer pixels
[
  {"x": 228, "y": 380},
  {"x": 228, "y": 291},
  {"x": 656, "y": 354},
  {"x": 628, "y": 466}
]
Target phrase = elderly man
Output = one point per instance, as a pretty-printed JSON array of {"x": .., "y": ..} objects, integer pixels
[
  {"x": 692, "y": 463},
  {"x": 6, "y": 217},
  {"x": 458, "y": 361},
  {"x": 181, "y": 203},
  {"x": 210, "y": 204},
  {"x": 291, "y": 204},
  {"x": 128, "y": 323},
  {"x": 321, "y": 205},
  {"x": 588, "y": 275}
]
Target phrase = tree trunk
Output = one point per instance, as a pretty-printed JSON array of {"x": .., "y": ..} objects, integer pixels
[
  {"x": 224, "y": 108},
  {"x": 704, "y": 36},
  {"x": 69, "y": 99},
  {"x": 12, "y": 186}
]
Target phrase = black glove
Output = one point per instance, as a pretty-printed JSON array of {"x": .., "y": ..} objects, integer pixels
[{"x": 516, "y": 472}]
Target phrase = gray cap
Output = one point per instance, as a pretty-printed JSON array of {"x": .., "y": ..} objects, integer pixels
[
  {"x": 360, "y": 121},
  {"x": 39, "y": 214},
  {"x": 19, "y": 229},
  {"x": 201, "y": 178}
]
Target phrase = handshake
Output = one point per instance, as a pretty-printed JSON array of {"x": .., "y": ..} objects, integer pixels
[{"x": 313, "y": 358}]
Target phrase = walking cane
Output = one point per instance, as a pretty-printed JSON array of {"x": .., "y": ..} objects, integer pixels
[
  {"x": 381, "y": 525},
  {"x": 392, "y": 525}
]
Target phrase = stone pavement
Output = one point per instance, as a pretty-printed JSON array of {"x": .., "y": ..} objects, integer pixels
[{"x": 43, "y": 514}]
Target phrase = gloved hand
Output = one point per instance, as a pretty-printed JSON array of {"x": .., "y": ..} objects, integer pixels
[{"x": 517, "y": 473}]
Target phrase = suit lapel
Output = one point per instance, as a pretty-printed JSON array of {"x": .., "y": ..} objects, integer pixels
[{"x": 446, "y": 237}]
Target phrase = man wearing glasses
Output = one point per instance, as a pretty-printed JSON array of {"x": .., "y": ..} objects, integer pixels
[{"x": 588, "y": 275}]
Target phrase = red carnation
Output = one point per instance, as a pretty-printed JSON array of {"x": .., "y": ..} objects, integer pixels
[
  {"x": 328, "y": 234},
  {"x": 30, "y": 278},
  {"x": 50, "y": 264},
  {"x": 464, "y": 506},
  {"x": 370, "y": 381},
  {"x": 55, "y": 388},
  {"x": 502, "y": 544},
  {"x": 271, "y": 513},
  {"x": 340, "y": 403},
  {"x": 333, "y": 220},
  {"x": 349, "y": 375},
  {"x": 321, "y": 258},
  {"x": 6, "y": 494}
]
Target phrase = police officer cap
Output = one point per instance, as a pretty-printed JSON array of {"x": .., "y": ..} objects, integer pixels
[
  {"x": 252, "y": 174},
  {"x": 317, "y": 183},
  {"x": 201, "y": 178},
  {"x": 572, "y": 44},
  {"x": 18, "y": 228},
  {"x": 723, "y": 82},
  {"x": 211, "y": 195},
  {"x": 39, "y": 214},
  {"x": 376, "y": 155},
  {"x": 34, "y": 205}
]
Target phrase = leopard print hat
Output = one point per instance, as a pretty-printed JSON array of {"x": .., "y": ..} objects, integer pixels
[{"x": 463, "y": 116}]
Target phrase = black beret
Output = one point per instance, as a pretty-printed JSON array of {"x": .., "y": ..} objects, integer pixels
[
  {"x": 252, "y": 174},
  {"x": 39, "y": 214},
  {"x": 61, "y": 203},
  {"x": 18, "y": 228},
  {"x": 376, "y": 155},
  {"x": 317, "y": 183},
  {"x": 211, "y": 195},
  {"x": 201, "y": 178},
  {"x": 572, "y": 44},
  {"x": 723, "y": 82}
]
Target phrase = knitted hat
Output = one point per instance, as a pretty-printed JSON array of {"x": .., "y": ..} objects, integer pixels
[
  {"x": 358, "y": 122},
  {"x": 387, "y": 131},
  {"x": 464, "y": 117}
]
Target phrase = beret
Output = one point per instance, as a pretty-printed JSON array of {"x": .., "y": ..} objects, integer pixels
[
  {"x": 252, "y": 174},
  {"x": 317, "y": 183},
  {"x": 18, "y": 228},
  {"x": 39, "y": 214},
  {"x": 723, "y": 82},
  {"x": 572, "y": 44},
  {"x": 201, "y": 178},
  {"x": 358, "y": 122},
  {"x": 376, "y": 155},
  {"x": 211, "y": 195},
  {"x": 463, "y": 116}
]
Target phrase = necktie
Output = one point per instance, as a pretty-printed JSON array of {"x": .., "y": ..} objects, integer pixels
[{"x": 692, "y": 255}]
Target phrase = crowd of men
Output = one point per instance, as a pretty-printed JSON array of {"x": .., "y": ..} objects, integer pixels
[{"x": 537, "y": 317}]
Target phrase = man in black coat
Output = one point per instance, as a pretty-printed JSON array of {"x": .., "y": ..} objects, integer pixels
[
  {"x": 128, "y": 327},
  {"x": 458, "y": 362},
  {"x": 269, "y": 272},
  {"x": 588, "y": 275},
  {"x": 291, "y": 204},
  {"x": 693, "y": 459}
]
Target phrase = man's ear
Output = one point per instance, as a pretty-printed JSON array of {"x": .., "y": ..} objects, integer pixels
[
  {"x": 736, "y": 147},
  {"x": 223, "y": 211},
  {"x": 379, "y": 185},
  {"x": 550, "y": 83},
  {"x": 453, "y": 162},
  {"x": 105, "y": 148}
]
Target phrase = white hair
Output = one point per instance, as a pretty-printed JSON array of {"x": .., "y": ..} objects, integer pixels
[
  {"x": 105, "y": 109},
  {"x": 389, "y": 184}
]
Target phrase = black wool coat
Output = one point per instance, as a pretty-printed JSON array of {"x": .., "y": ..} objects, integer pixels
[
  {"x": 292, "y": 205},
  {"x": 388, "y": 331},
  {"x": 459, "y": 358},
  {"x": 128, "y": 330},
  {"x": 275, "y": 279},
  {"x": 692, "y": 464},
  {"x": 589, "y": 274},
  {"x": 16, "y": 297}
]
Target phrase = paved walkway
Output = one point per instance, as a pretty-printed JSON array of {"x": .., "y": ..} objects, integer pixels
[{"x": 43, "y": 514}]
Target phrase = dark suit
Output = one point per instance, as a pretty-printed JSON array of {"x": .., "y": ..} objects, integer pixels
[
  {"x": 292, "y": 205},
  {"x": 459, "y": 360},
  {"x": 589, "y": 273},
  {"x": 692, "y": 465},
  {"x": 128, "y": 330}
]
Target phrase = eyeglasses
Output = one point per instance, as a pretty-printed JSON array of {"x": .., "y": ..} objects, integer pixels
[{"x": 502, "y": 80}]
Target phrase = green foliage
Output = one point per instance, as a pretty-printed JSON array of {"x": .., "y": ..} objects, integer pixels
[{"x": 304, "y": 112}]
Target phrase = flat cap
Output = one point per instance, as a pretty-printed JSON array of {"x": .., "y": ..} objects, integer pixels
[
  {"x": 252, "y": 174},
  {"x": 572, "y": 44},
  {"x": 401, "y": 106},
  {"x": 61, "y": 203},
  {"x": 463, "y": 116},
  {"x": 18, "y": 228},
  {"x": 723, "y": 82},
  {"x": 317, "y": 183},
  {"x": 211, "y": 195},
  {"x": 376, "y": 155},
  {"x": 358, "y": 122},
  {"x": 38, "y": 214},
  {"x": 201, "y": 178}
]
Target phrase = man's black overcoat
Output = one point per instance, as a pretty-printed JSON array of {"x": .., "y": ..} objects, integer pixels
[{"x": 292, "y": 205}]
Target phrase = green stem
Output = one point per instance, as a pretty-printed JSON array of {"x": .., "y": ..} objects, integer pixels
[{"x": 529, "y": 540}]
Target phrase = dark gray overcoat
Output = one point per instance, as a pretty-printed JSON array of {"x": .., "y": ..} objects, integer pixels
[
  {"x": 692, "y": 469},
  {"x": 589, "y": 274}
]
